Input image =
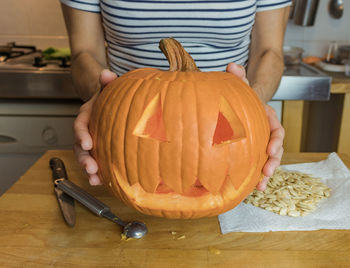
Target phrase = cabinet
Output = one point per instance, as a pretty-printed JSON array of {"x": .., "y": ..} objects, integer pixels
[{"x": 297, "y": 127}]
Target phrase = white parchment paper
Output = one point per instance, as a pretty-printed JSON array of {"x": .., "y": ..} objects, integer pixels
[{"x": 332, "y": 213}]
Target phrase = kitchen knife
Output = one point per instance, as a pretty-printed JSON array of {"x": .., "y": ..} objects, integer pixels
[{"x": 65, "y": 201}]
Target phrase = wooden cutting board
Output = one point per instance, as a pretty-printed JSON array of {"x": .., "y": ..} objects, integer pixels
[{"x": 33, "y": 233}]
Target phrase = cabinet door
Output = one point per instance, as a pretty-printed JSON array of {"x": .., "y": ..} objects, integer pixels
[
  {"x": 35, "y": 133},
  {"x": 292, "y": 121}
]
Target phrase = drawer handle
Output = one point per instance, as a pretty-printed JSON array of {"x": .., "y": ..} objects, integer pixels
[{"x": 6, "y": 139}]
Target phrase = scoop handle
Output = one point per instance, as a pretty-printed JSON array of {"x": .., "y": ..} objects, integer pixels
[{"x": 96, "y": 206}]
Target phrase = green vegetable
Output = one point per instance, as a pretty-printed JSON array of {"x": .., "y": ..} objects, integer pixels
[{"x": 56, "y": 53}]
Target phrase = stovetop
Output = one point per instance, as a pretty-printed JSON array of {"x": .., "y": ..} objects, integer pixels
[
  {"x": 28, "y": 58},
  {"x": 33, "y": 76},
  {"x": 25, "y": 73}
]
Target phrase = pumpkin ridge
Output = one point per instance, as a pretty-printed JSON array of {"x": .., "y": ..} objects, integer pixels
[
  {"x": 149, "y": 175},
  {"x": 105, "y": 154},
  {"x": 231, "y": 90},
  {"x": 258, "y": 103},
  {"x": 130, "y": 145},
  {"x": 198, "y": 131},
  {"x": 189, "y": 140},
  {"x": 121, "y": 100},
  {"x": 252, "y": 101},
  {"x": 144, "y": 94},
  {"x": 264, "y": 127},
  {"x": 211, "y": 167},
  {"x": 181, "y": 114},
  {"x": 95, "y": 121},
  {"x": 169, "y": 152},
  {"x": 116, "y": 134}
]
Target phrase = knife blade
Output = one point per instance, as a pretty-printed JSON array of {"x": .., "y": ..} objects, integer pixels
[{"x": 65, "y": 201}]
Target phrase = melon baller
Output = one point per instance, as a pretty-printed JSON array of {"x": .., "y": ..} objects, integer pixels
[{"x": 133, "y": 229}]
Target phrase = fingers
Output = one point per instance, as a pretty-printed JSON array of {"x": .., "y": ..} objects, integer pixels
[
  {"x": 274, "y": 148},
  {"x": 262, "y": 184},
  {"x": 94, "y": 180},
  {"x": 276, "y": 141},
  {"x": 89, "y": 164},
  {"x": 81, "y": 127},
  {"x": 273, "y": 162},
  {"x": 84, "y": 141},
  {"x": 82, "y": 121},
  {"x": 237, "y": 70},
  {"x": 106, "y": 77},
  {"x": 277, "y": 131}
]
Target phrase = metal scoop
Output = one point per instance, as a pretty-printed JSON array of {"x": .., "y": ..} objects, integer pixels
[{"x": 132, "y": 229}]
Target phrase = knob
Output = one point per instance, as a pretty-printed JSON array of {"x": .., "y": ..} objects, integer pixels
[
  {"x": 49, "y": 136},
  {"x": 38, "y": 62},
  {"x": 64, "y": 63}
]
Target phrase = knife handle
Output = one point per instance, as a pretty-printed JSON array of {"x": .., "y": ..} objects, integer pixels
[
  {"x": 58, "y": 169},
  {"x": 96, "y": 206}
]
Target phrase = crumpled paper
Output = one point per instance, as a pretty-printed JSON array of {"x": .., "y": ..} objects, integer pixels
[{"x": 331, "y": 213}]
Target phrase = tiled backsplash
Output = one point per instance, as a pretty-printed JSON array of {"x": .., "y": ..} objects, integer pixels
[
  {"x": 40, "y": 22},
  {"x": 316, "y": 39}
]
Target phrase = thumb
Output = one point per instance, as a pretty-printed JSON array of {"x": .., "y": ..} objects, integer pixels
[
  {"x": 237, "y": 70},
  {"x": 106, "y": 76}
]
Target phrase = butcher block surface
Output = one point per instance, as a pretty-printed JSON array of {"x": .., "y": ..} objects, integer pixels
[{"x": 34, "y": 234}]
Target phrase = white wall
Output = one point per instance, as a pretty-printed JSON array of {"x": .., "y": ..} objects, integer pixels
[
  {"x": 38, "y": 22},
  {"x": 315, "y": 39}
]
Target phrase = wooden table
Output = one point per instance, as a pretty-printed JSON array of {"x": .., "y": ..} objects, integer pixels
[{"x": 33, "y": 233}]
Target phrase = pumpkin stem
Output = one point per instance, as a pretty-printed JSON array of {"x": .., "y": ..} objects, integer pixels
[{"x": 177, "y": 56}]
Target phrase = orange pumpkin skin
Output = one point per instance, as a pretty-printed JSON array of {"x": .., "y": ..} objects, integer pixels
[{"x": 179, "y": 144}]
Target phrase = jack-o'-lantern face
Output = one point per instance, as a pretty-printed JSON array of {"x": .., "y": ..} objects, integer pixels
[
  {"x": 179, "y": 144},
  {"x": 228, "y": 129}
]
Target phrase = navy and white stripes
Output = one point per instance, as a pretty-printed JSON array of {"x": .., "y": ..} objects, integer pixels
[{"x": 214, "y": 32}]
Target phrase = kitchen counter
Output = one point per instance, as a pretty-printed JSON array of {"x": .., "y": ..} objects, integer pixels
[
  {"x": 33, "y": 233},
  {"x": 340, "y": 83},
  {"x": 295, "y": 112}
]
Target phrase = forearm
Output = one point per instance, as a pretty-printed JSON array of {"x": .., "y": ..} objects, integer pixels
[
  {"x": 265, "y": 66},
  {"x": 86, "y": 71},
  {"x": 264, "y": 73},
  {"x": 86, "y": 39}
]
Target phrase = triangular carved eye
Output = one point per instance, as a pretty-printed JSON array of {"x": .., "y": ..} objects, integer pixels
[
  {"x": 151, "y": 124},
  {"x": 229, "y": 127}
]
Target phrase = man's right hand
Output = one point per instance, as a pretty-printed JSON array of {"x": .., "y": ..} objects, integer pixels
[{"x": 83, "y": 143}]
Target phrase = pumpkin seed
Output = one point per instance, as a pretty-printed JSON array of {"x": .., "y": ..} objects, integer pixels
[{"x": 291, "y": 194}]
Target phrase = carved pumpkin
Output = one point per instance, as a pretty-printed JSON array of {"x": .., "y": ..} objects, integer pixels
[{"x": 179, "y": 143}]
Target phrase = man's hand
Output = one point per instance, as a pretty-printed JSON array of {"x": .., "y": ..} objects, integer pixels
[
  {"x": 275, "y": 146},
  {"x": 83, "y": 138}
]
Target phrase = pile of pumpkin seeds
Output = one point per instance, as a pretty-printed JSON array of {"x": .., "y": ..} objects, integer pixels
[{"x": 290, "y": 193}]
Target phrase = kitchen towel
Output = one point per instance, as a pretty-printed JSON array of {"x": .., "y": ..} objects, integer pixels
[{"x": 331, "y": 213}]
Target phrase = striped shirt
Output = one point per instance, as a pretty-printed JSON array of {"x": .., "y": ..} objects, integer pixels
[{"x": 214, "y": 32}]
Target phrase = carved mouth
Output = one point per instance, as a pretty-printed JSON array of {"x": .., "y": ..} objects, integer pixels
[
  {"x": 204, "y": 203},
  {"x": 197, "y": 189}
]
